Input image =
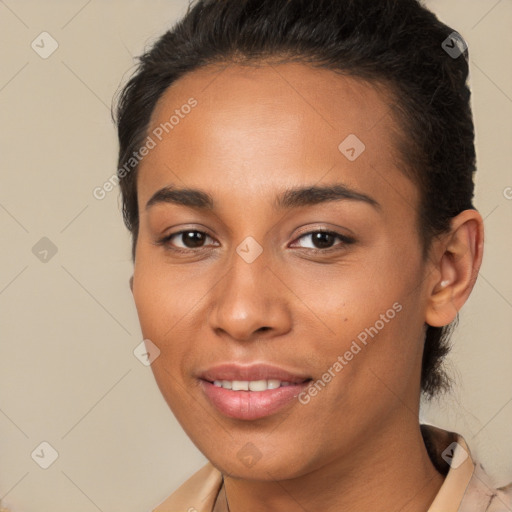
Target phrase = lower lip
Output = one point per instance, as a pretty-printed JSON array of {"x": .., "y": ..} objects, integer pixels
[{"x": 251, "y": 405}]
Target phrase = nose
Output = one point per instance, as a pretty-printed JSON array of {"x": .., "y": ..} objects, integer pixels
[{"x": 250, "y": 302}]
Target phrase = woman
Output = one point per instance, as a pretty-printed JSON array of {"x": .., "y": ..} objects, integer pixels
[{"x": 298, "y": 180}]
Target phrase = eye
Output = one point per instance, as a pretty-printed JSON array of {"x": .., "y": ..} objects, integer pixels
[
  {"x": 323, "y": 240},
  {"x": 189, "y": 239}
]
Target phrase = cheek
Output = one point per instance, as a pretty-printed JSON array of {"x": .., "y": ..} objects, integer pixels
[
  {"x": 162, "y": 295},
  {"x": 159, "y": 310},
  {"x": 366, "y": 322},
  {"x": 167, "y": 301},
  {"x": 342, "y": 300},
  {"x": 150, "y": 300}
]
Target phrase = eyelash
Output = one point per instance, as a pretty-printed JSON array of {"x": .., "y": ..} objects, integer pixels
[{"x": 165, "y": 241}]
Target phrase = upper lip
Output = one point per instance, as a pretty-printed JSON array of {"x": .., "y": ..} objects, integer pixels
[{"x": 259, "y": 371}]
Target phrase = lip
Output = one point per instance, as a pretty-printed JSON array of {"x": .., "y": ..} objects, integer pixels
[
  {"x": 260, "y": 371},
  {"x": 251, "y": 405}
]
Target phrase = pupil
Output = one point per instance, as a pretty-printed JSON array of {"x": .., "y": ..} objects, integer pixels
[
  {"x": 192, "y": 239},
  {"x": 322, "y": 240}
]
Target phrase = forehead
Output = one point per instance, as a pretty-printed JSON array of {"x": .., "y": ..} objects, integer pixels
[
  {"x": 299, "y": 86},
  {"x": 271, "y": 126}
]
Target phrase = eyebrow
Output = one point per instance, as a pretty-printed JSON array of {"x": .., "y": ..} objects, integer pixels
[{"x": 291, "y": 198}]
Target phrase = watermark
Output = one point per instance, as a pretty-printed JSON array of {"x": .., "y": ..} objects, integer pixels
[
  {"x": 507, "y": 193},
  {"x": 454, "y": 455},
  {"x": 44, "y": 45},
  {"x": 44, "y": 455},
  {"x": 342, "y": 360},
  {"x": 146, "y": 352},
  {"x": 44, "y": 249},
  {"x": 454, "y": 45},
  {"x": 249, "y": 249},
  {"x": 150, "y": 143},
  {"x": 249, "y": 454},
  {"x": 351, "y": 147}
]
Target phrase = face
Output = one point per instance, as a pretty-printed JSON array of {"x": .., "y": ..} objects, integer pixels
[{"x": 303, "y": 266}]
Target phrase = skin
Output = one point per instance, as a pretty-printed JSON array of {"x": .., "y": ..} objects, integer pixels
[{"x": 255, "y": 132}]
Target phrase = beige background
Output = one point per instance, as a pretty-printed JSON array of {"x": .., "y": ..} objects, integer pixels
[{"x": 68, "y": 375}]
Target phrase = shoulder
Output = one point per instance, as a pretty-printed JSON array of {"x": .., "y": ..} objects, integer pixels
[
  {"x": 481, "y": 491},
  {"x": 467, "y": 487},
  {"x": 197, "y": 494}
]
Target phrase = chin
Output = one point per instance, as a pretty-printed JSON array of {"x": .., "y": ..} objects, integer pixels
[{"x": 249, "y": 463}]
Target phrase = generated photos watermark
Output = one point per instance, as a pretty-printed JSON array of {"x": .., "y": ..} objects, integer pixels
[
  {"x": 150, "y": 143},
  {"x": 343, "y": 360}
]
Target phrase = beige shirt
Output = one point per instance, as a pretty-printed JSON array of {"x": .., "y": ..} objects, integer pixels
[{"x": 466, "y": 487}]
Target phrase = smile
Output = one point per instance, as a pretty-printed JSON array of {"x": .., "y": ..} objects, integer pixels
[{"x": 251, "y": 385}]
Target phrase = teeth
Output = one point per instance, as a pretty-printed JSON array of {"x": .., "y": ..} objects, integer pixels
[
  {"x": 226, "y": 384},
  {"x": 250, "y": 385},
  {"x": 240, "y": 385},
  {"x": 273, "y": 383},
  {"x": 257, "y": 385}
]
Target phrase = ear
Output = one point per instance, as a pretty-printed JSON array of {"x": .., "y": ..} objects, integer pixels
[
  {"x": 131, "y": 283},
  {"x": 459, "y": 258}
]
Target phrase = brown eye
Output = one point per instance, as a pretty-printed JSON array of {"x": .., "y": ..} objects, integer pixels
[
  {"x": 324, "y": 240},
  {"x": 191, "y": 239}
]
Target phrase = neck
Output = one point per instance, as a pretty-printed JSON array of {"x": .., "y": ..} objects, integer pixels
[{"x": 391, "y": 467}]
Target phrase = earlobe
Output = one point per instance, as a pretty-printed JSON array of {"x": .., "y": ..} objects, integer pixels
[{"x": 457, "y": 268}]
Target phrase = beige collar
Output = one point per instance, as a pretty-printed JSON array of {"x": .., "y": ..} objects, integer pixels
[
  {"x": 456, "y": 482},
  {"x": 200, "y": 492}
]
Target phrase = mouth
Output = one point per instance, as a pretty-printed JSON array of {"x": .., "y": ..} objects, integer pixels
[
  {"x": 251, "y": 392},
  {"x": 259, "y": 372},
  {"x": 251, "y": 385}
]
